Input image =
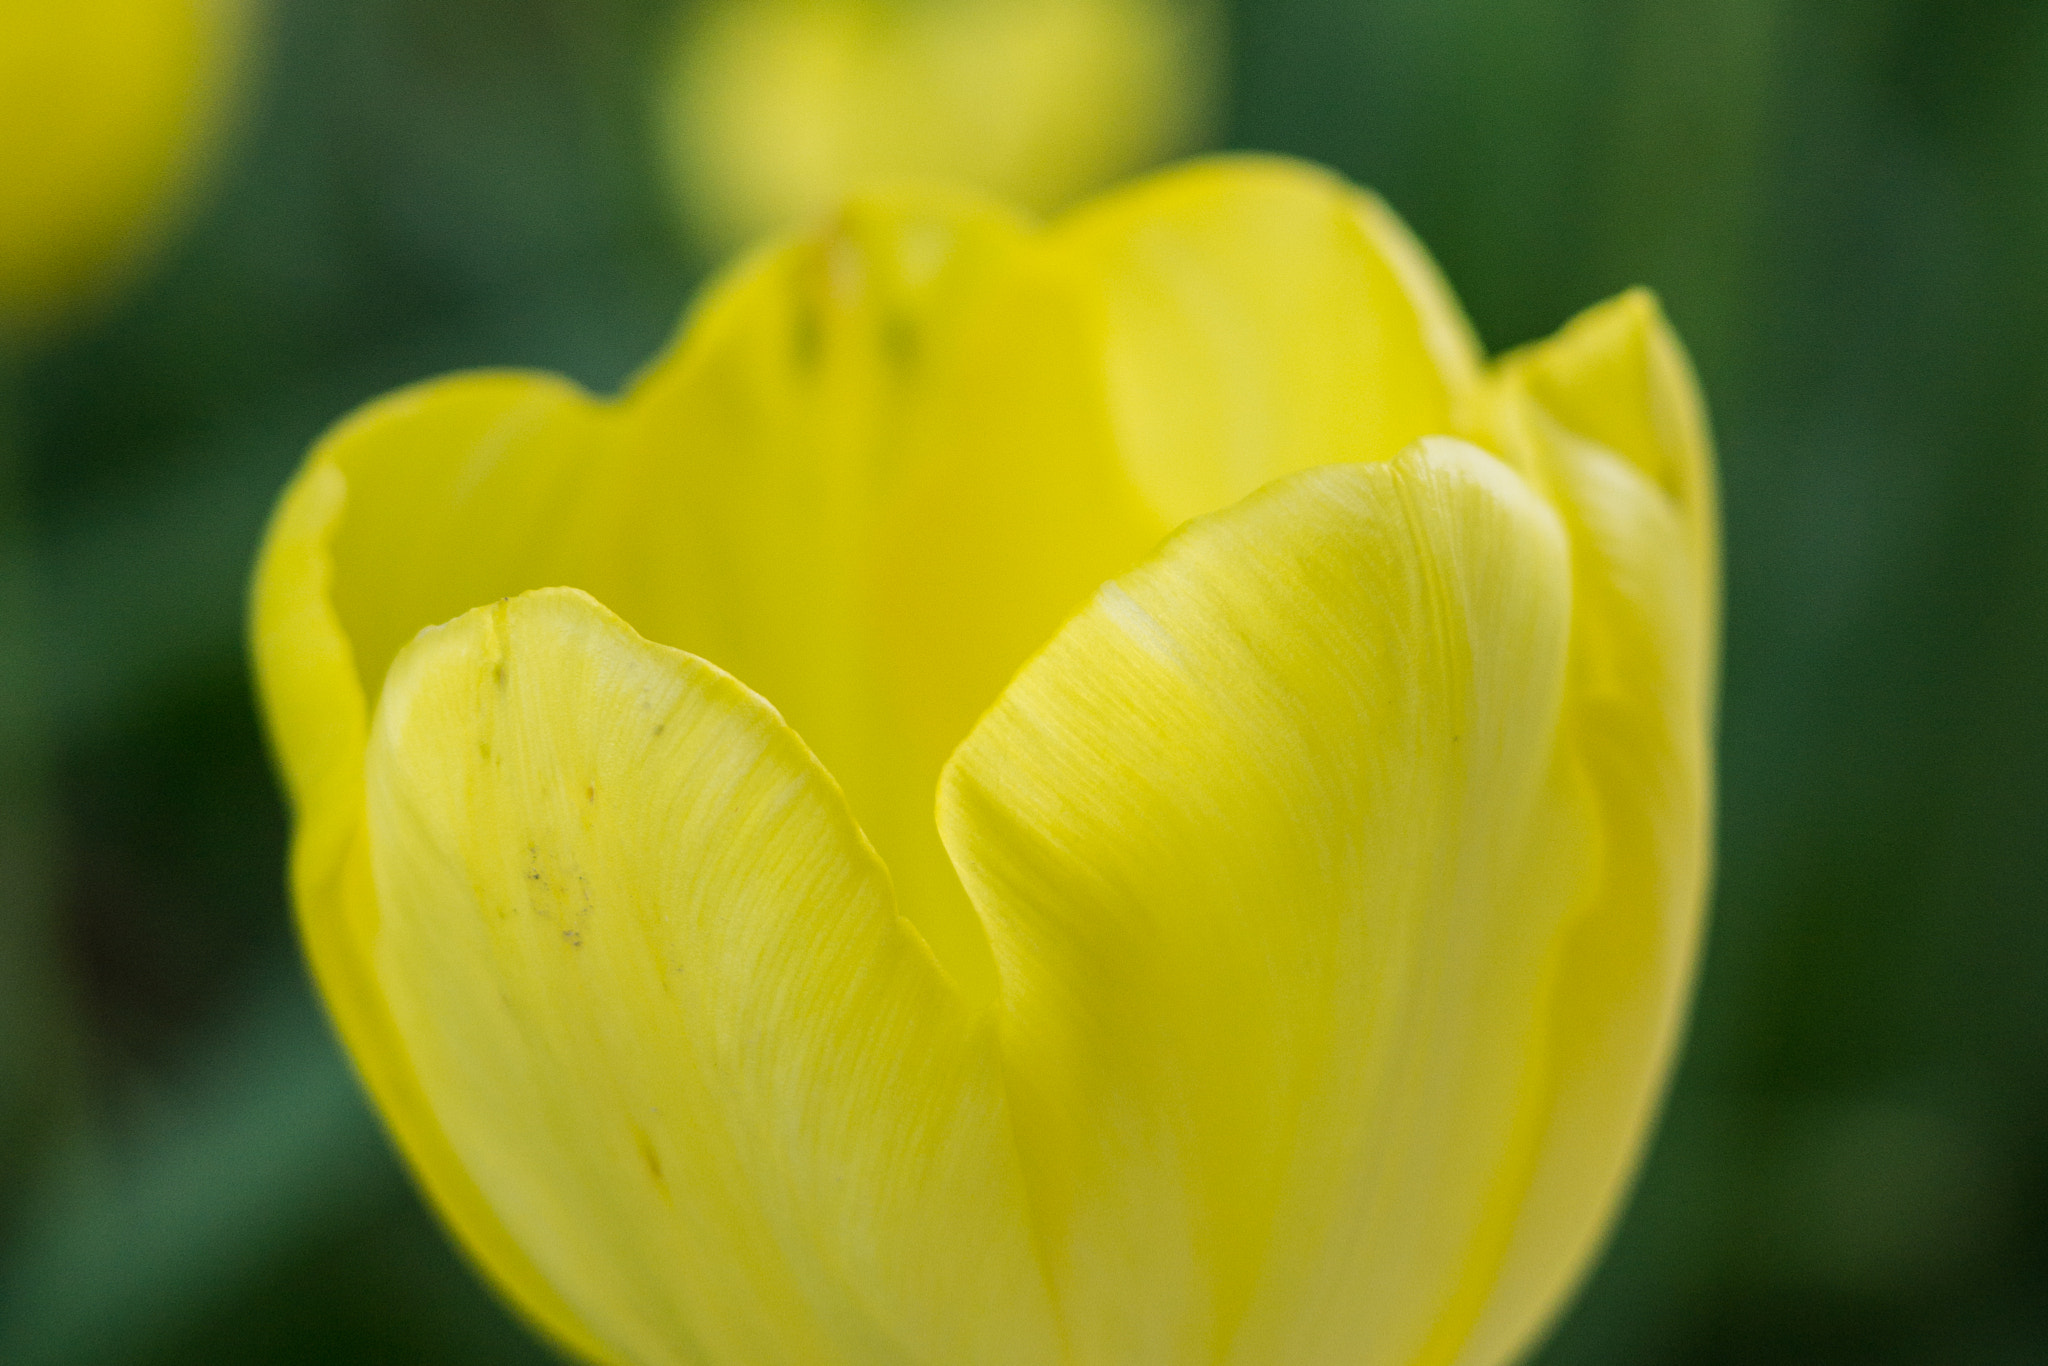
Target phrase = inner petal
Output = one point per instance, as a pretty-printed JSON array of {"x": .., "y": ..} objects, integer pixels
[
  {"x": 873, "y": 476},
  {"x": 1265, "y": 317}
]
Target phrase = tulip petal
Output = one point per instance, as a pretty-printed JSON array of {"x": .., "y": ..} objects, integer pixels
[
  {"x": 315, "y": 705},
  {"x": 1277, "y": 847},
  {"x": 650, "y": 976},
  {"x": 876, "y": 475},
  {"x": 1262, "y": 317},
  {"x": 1618, "y": 377},
  {"x": 1608, "y": 413},
  {"x": 458, "y": 492}
]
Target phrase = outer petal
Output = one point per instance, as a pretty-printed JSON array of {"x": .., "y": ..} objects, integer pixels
[
  {"x": 1277, "y": 846},
  {"x": 306, "y": 671},
  {"x": 1608, "y": 415},
  {"x": 651, "y": 979},
  {"x": 1263, "y": 316}
]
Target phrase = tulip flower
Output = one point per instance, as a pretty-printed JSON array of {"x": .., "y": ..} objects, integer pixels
[
  {"x": 771, "y": 110},
  {"x": 106, "y": 109},
  {"x": 1100, "y": 794}
]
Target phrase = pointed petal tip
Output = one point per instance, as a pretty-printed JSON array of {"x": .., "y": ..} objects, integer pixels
[
  {"x": 1633, "y": 320},
  {"x": 1619, "y": 375}
]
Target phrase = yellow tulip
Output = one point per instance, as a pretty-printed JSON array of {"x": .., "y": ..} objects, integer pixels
[
  {"x": 106, "y": 107},
  {"x": 772, "y": 109},
  {"x": 810, "y": 875}
]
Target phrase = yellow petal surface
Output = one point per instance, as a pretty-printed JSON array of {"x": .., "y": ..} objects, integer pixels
[
  {"x": 1608, "y": 411},
  {"x": 105, "y": 106},
  {"x": 879, "y": 473},
  {"x": 1263, "y": 317},
  {"x": 652, "y": 980},
  {"x": 1277, "y": 845},
  {"x": 1292, "y": 969}
]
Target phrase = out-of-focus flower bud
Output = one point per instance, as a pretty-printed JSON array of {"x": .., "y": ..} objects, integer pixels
[
  {"x": 107, "y": 108},
  {"x": 773, "y": 110}
]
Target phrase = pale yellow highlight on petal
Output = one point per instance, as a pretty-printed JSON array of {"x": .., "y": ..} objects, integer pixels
[
  {"x": 651, "y": 978},
  {"x": 1277, "y": 844},
  {"x": 773, "y": 110},
  {"x": 1263, "y": 316},
  {"x": 1607, "y": 411},
  {"x": 106, "y": 109}
]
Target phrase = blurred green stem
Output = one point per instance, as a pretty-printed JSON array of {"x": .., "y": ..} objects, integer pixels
[
  {"x": 38, "y": 1052},
  {"x": 263, "y": 1147}
]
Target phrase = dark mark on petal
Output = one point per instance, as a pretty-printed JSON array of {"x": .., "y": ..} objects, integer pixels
[
  {"x": 806, "y": 337},
  {"x": 901, "y": 340},
  {"x": 650, "y": 1158}
]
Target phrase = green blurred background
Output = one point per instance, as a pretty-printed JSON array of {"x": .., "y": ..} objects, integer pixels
[{"x": 1845, "y": 207}]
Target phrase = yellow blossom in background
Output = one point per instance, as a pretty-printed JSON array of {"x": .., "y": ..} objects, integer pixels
[
  {"x": 772, "y": 110},
  {"x": 1101, "y": 794},
  {"x": 106, "y": 111}
]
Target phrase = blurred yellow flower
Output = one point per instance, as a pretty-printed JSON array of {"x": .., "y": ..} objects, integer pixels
[
  {"x": 106, "y": 107},
  {"x": 773, "y": 109},
  {"x": 1291, "y": 966}
]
